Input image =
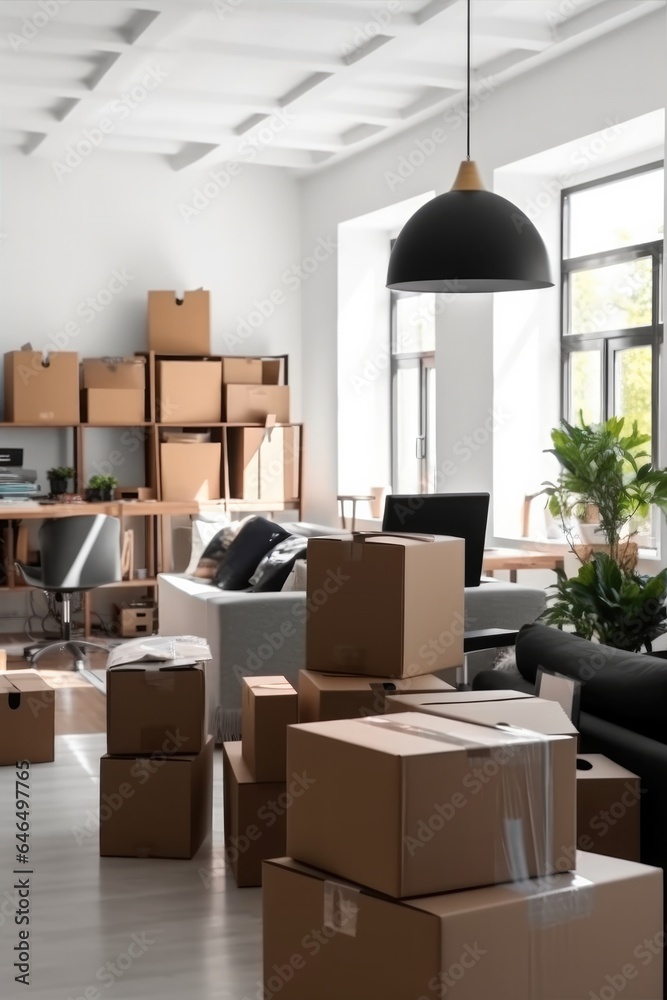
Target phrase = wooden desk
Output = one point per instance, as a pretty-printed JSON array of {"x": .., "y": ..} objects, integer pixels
[{"x": 516, "y": 559}]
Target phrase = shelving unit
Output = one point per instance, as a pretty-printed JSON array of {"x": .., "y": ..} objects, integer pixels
[{"x": 157, "y": 514}]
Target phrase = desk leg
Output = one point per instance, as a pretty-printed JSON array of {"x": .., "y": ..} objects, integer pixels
[
  {"x": 513, "y": 573},
  {"x": 462, "y": 676}
]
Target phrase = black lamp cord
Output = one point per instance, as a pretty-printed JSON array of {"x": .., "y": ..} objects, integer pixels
[{"x": 468, "y": 92}]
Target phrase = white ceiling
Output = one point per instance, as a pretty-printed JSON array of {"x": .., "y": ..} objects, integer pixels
[{"x": 294, "y": 83}]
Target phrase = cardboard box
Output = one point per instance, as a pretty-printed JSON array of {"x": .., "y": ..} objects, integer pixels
[
  {"x": 252, "y": 404},
  {"x": 273, "y": 371},
  {"x": 485, "y": 708},
  {"x": 136, "y": 621},
  {"x": 157, "y": 806},
  {"x": 39, "y": 391},
  {"x": 114, "y": 406},
  {"x": 567, "y": 936},
  {"x": 113, "y": 373},
  {"x": 334, "y": 696},
  {"x": 264, "y": 463},
  {"x": 392, "y": 604},
  {"x": 460, "y": 805},
  {"x": 241, "y": 371},
  {"x": 27, "y": 718},
  {"x": 189, "y": 392},
  {"x": 190, "y": 471},
  {"x": 149, "y": 703},
  {"x": 268, "y": 706},
  {"x": 608, "y": 808},
  {"x": 254, "y": 818},
  {"x": 179, "y": 325}
]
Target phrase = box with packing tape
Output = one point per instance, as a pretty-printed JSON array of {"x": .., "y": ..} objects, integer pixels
[
  {"x": 397, "y": 608},
  {"x": 154, "y": 700},
  {"x": 268, "y": 707},
  {"x": 594, "y": 935},
  {"x": 489, "y": 708},
  {"x": 339, "y": 696},
  {"x": 414, "y": 804}
]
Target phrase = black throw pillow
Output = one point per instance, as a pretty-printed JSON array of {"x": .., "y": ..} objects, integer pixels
[
  {"x": 277, "y": 564},
  {"x": 628, "y": 689},
  {"x": 257, "y": 537}
]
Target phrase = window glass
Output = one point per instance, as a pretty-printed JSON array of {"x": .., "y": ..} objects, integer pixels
[
  {"x": 617, "y": 214},
  {"x": 615, "y": 297},
  {"x": 585, "y": 384}
]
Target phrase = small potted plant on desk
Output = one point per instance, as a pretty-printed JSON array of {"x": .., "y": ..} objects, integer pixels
[
  {"x": 100, "y": 488},
  {"x": 59, "y": 479}
]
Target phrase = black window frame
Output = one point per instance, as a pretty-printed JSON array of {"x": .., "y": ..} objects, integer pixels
[{"x": 609, "y": 342}]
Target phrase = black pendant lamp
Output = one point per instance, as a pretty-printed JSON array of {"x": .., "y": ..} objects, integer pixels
[{"x": 468, "y": 240}]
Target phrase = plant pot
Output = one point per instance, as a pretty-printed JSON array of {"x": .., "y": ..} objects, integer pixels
[
  {"x": 58, "y": 486},
  {"x": 93, "y": 495},
  {"x": 591, "y": 534},
  {"x": 106, "y": 494}
]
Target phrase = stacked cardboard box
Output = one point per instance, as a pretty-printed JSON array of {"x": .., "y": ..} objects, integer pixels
[
  {"x": 156, "y": 779},
  {"x": 449, "y": 831},
  {"x": 42, "y": 388},
  {"x": 256, "y": 792},
  {"x": 113, "y": 390}
]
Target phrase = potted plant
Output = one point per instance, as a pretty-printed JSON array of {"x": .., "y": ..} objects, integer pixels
[
  {"x": 100, "y": 488},
  {"x": 606, "y": 479},
  {"x": 606, "y": 603},
  {"x": 59, "y": 478}
]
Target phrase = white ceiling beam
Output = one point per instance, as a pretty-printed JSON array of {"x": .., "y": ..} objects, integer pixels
[
  {"x": 422, "y": 74},
  {"x": 518, "y": 34},
  {"x": 612, "y": 14}
]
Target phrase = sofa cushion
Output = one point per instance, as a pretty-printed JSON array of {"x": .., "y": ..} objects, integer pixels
[
  {"x": 215, "y": 551},
  {"x": 628, "y": 689},
  {"x": 256, "y": 537},
  {"x": 277, "y": 564}
]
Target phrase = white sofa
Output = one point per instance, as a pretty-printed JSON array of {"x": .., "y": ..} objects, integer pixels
[{"x": 251, "y": 634}]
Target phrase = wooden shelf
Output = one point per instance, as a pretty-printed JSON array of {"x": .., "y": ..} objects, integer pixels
[{"x": 152, "y": 582}]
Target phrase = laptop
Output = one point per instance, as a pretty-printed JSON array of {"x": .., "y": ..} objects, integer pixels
[{"x": 463, "y": 515}]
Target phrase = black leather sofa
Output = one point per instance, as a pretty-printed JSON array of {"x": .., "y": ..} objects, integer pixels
[{"x": 623, "y": 712}]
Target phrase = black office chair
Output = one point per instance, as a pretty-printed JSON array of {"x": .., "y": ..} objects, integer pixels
[{"x": 77, "y": 553}]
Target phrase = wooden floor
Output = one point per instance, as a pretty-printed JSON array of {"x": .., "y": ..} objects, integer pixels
[
  {"x": 168, "y": 929},
  {"x": 80, "y": 707}
]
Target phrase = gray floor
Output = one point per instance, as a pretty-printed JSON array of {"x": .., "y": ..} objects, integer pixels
[{"x": 170, "y": 929}]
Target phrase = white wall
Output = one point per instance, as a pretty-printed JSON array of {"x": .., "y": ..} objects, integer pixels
[
  {"x": 124, "y": 213},
  {"x": 615, "y": 78}
]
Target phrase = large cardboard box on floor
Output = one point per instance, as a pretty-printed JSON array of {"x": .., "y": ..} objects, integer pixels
[
  {"x": 608, "y": 808},
  {"x": 27, "y": 714},
  {"x": 114, "y": 406},
  {"x": 179, "y": 325},
  {"x": 268, "y": 706},
  {"x": 189, "y": 392},
  {"x": 157, "y": 805},
  {"x": 485, "y": 708},
  {"x": 252, "y": 404},
  {"x": 254, "y": 813},
  {"x": 113, "y": 373},
  {"x": 264, "y": 463},
  {"x": 386, "y": 605},
  {"x": 338, "y": 696},
  {"x": 190, "y": 471},
  {"x": 596, "y": 934},
  {"x": 414, "y": 804},
  {"x": 42, "y": 389},
  {"x": 156, "y": 707}
]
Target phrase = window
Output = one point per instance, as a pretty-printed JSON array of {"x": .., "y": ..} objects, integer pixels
[
  {"x": 413, "y": 392},
  {"x": 612, "y": 309}
]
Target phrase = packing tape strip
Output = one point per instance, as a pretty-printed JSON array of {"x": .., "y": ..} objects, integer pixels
[
  {"x": 522, "y": 737},
  {"x": 341, "y": 908}
]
